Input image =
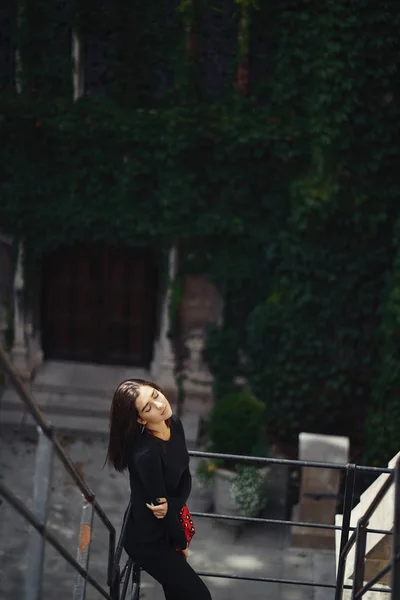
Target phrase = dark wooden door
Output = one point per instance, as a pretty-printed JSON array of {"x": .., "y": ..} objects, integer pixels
[{"x": 99, "y": 304}]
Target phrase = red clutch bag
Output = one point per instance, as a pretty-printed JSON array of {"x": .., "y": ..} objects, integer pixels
[{"x": 187, "y": 525}]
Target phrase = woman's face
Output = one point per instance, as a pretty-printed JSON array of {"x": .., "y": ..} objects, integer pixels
[{"x": 152, "y": 406}]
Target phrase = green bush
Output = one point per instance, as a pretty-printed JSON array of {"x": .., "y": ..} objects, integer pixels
[
  {"x": 295, "y": 189},
  {"x": 249, "y": 491},
  {"x": 236, "y": 424}
]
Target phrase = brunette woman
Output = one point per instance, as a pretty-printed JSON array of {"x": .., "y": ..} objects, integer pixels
[{"x": 149, "y": 441}]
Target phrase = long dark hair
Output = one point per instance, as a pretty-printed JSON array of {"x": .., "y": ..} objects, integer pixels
[{"x": 124, "y": 426}]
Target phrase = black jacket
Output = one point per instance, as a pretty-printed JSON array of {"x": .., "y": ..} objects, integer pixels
[{"x": 158, "y": 469}]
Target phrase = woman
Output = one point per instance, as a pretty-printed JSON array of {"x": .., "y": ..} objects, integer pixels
[{"x": 149, "y": 441}]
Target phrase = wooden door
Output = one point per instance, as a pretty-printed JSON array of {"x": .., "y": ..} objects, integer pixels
[{"x": 99, "y": 305}]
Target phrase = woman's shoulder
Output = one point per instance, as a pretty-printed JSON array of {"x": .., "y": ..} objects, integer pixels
[{"x": 145, "y": 450}]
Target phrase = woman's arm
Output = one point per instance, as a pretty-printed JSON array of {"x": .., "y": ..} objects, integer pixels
[
  {"x": 148, "y": 464},
  {"x": 185, "y": 486}
]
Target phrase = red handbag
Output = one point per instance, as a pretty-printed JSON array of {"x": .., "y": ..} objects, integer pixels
[{"x": 187, "y": 525}]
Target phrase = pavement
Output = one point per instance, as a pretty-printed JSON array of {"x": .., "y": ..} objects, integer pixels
[{"x": 257, "y": 551}]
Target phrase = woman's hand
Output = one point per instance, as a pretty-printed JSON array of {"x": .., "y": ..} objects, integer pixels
[{"x": 159, "y": 510}]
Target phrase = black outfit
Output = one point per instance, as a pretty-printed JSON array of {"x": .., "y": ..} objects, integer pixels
[{"x": 160, "y": 469}]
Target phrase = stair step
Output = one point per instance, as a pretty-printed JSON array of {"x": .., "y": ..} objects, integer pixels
[
  {"x": 48, "y": 388},
  {"x": 80, "y": 425},
  {"x": 63, "y": 404},
  {"x": 70, "y": 403}
]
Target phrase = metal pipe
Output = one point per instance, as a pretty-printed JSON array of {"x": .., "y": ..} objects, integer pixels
[
  {"x": 282, "y": 522},
  {"x": 111, "y": 555},
  {"x": 284, "y": 461},
  {"x": 83, "y": 554},
  {"x": 39, "y": 526},
  {"x": 347, "y": 508},
  {"x": 127, "y": 574},
  {"x": 282, "y": 581},
  {"x": 120, "y": 543},
  {"x": 349, "y": 544},
  {"x": 359, "y": 558},
  {"x": 369, "y": 586},
  {"x": 41, "y": 493},
  {"x": 135, "y": 594}
]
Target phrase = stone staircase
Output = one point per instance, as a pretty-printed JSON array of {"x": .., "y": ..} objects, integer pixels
[
  {"x": 79, "y": 407},
  {"x": 73, "y": 412}
]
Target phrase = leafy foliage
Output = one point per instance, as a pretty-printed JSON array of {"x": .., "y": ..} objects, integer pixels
[
  {"x": 235, "y": 425},
  {"x": 288, "y": 198},
  {"x": 249, "y": 491}
]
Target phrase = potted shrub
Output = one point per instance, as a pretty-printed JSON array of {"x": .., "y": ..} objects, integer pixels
[{"x": 236, "y": 427}]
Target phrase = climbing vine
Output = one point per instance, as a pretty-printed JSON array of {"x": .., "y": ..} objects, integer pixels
[{"x": 285, "y": 193}]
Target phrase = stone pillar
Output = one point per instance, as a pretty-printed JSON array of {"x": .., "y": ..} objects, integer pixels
[
  {"x": 34, "y": 344},
  {"x": 201, "y": 306},
  {"x": 198, "y": 379},
  {"x": 19, "y": 351},
  {"x": 163, "y": 366},
  {"x": 319, "y": 489}
]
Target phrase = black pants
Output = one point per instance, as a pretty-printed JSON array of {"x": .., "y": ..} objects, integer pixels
[{"x": 168, "y": 567}]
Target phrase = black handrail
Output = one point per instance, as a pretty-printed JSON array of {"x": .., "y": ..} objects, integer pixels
[
  {"x": 345, "y": 528},
  {"x": 48, "y": 431}
]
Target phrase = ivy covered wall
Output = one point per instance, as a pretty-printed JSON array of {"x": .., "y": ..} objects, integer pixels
[{"x": 264, "y": 135}]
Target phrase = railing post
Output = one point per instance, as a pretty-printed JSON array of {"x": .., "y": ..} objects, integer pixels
[
  {"x": 136, "y": 572},
  {"x": 396, "y": 535},
  {"x": 41, "y": 493},
  {"x": 359, "y": 559},
  {"x": 128, "y": 572},
  {"x": 111, "y": 557},
  {"x": 83, "y": 554},
  {"x": 347, "y": 508},
  {"x": 114, "y": 587},
  {"x": 114, "y": 581}
]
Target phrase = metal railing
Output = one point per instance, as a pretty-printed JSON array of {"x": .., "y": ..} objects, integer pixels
[
  {"x": 48, "y": 445},
  {"x": 125, "y": 583},
  {"x": 359, "y": 538},
  {"x": 346, "y": 528}
]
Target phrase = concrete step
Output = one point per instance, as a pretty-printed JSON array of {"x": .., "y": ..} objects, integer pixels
[
  {"x": 54, "y": 389},
  {"x": 79, "y": 377},
  {"x": 78, "y": 426},
  {"x": 90, "y": 404},
  {"x": 61, "y": 403},
  {"x": 77, "y": 423}
]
